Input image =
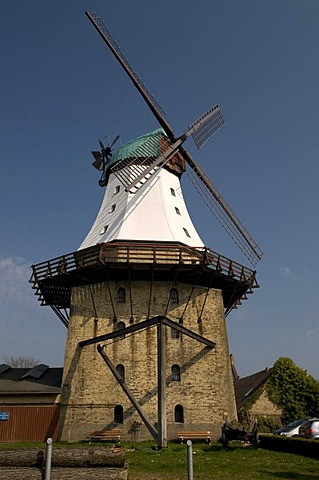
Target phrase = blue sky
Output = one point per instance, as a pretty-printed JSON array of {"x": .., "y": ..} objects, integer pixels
[{"x": 61, "y": 89}]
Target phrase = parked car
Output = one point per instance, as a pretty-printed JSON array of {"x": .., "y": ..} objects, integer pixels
[
  {"x": 292, "y": 429},
  {"x": 310, "y": 429}
]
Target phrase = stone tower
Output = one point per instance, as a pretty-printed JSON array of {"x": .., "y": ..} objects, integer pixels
[{"x": 144, "y": 299}]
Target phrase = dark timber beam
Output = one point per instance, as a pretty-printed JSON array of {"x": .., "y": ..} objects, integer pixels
[
  {"x": 129, "y": 394},
  {"x": 147, "y": 324},
  {"x": 120, "y": 333},
  {"x": 161, "y": 386}
]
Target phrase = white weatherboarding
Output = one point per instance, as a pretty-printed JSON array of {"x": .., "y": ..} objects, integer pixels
[{"x": 156, "y": 212}]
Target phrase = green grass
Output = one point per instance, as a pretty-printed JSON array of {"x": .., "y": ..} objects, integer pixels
[
  {"x": 212, "y": 462},
  {"x": 209, "y": 462}
]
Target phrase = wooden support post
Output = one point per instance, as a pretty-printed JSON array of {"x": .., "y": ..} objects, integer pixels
[{"x": 161, "y": 382}]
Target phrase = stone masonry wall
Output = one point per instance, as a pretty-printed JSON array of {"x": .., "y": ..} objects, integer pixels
[
  {"x": 263, "y": 407},
  {"x": 90, "y": 392}
]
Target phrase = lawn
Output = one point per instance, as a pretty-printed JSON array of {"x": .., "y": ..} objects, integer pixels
[{"x": 212, "y": 462}]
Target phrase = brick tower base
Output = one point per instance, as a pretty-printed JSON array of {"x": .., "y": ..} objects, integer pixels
[{"x": 199, "y": 383}]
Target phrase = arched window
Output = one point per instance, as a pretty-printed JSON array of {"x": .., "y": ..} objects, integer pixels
[
  {"x": 174, "y": 333},
  {"x": 176, "y": 373},
  {"x": 179, "y": 414},
  {"x": 121, "y": 295},
  {"x": 120, "y": 326},
  {"x": 174, "y": 296},
  {"x": 121, "y": 371},
  {"x": 118, "y": 414}
]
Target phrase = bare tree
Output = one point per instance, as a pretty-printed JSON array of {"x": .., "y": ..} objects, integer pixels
[{"x": 21, "y": 361}]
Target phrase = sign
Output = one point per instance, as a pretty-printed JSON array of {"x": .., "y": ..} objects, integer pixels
[{"x": 4, "y": 416}]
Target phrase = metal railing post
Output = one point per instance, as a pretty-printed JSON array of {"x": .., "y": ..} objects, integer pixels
[
  {"x": 190, "y": 460},
  {"x": 48, "y": 459}
]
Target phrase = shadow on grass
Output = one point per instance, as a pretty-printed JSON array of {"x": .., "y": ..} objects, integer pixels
[
  {"x": 291, "y": 475},
  {"x": 213, "y": 448},
  {"x": 231, "y": 447}
]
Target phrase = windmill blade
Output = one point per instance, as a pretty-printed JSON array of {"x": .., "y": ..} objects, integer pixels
[
  {"x": 223, "y": 212},
  {"x": 97, "y": 155},
  {"x": 206, "y": 125},
  {"x": 114, "y": 141},
  {"x": 115, "y": 49},
  {"x": 98, "y": 162}
]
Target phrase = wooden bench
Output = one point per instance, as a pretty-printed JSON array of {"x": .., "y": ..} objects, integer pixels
[
  {"x": 194, "y": 436},
  {"x": 104, "y": 436}
]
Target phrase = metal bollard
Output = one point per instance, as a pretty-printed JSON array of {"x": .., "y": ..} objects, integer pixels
[
  {"x": 48, "y": 458},
  {"x": 190, "y": 460}
]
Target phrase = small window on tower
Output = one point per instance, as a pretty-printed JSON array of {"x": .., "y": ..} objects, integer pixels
[
  {"x": 104, "y": 229},
  {"x": 120, "y": 326},
  {"x": 121, "y": 295},
  {"x": 174, "y": 296},
  {"x": 112, "y": 208},
  {"x": 117, "y": 189},
  {"x": 179, "y": 414},
  {"x": 121, "y": 371},
  {"x": 174, "y": 333},
  {"x": 118, "y": 414},
  {"x": 173, "y": 192},
  {"x": 176, "y": 373},
  {"x": 177, "y": 210},
  {"x": 186, "y": 233}
]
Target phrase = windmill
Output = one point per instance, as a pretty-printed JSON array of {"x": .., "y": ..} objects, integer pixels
[
  {"x": 145, "y": 289},
  {"x": 201, "y": 130}
]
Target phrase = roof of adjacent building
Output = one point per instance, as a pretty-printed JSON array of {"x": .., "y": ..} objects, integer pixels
[
  {"x": 37, "y": 380},
  {"x": 247, "y": 386}
]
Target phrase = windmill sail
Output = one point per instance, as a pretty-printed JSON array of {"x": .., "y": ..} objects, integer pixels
[
  {"x": 206, "y": 125},
  {"x": 223, "y": 213},
  {"x": 146, "y": 165},
  {"x": 148, "y": 97}
]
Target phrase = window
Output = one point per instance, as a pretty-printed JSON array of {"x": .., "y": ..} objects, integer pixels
[
  {"x": 176, "y": 373},
  {"x": 120, "y": 326},
  {"x": 177, "y": 210},
  {"x": 173, "y": 192},
  {"x": 112, "y": 208},
  {"x": 117, "y": 189},
  {"x": 118, "y": 414},
  {"x": 174, "y": 296},
  {"x": 186, "y": 233},
  {"x": 104, "y": 229},
  {"x": 121, "y": 371},
  {"x": 174, "y": 333},
  {"x": 121, "y": 295},
  {"x": 179, "y": 414}
]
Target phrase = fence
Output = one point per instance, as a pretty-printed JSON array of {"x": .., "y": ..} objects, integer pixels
[{"x": 29, "y": 423}]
